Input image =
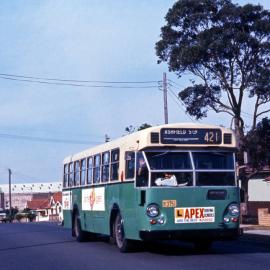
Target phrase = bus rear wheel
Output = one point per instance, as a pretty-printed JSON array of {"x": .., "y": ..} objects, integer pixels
[
  {"x": 122, "y": 243},
  {"x": 79, "y": 234}
]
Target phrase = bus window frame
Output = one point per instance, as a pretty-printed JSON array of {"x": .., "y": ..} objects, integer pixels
[
  {"x": 89, "y": 178},
  {"x": 77, "y": 170},
  {"x": 95, "y": 168},
  {"x": 65, "y": 176},
  {"x": 113, "y": 163},
  {"x": 134, "y": 168},
  {"x": 71, "y": 174},
  {"x": 103, "y": 166},
  {"x": 216, "y": 170},
  {"x": 193, "y": 170},
  {"x": 81, "y": 171}
]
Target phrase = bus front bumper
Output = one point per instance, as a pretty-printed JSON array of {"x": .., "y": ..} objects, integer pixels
[{"x": 192, "y": 235}]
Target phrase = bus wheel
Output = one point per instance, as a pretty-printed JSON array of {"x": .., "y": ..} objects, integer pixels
[
  {"x": 122, "y": 243},
  {"x": 112, "y": 237},
  {"x": 79, "y": 234}
]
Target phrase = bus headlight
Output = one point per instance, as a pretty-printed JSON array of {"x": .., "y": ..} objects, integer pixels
[
  {"x": 152, "y": 210},
  {"x": 234, "y": 210}
]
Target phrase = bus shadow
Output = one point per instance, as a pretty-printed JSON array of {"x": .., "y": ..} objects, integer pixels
[{"x": 244, "y": 245}]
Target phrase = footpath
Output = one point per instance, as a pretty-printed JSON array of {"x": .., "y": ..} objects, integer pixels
[
  {"x": 256, "y": 233},
  {"x": 255, "y": 229}
]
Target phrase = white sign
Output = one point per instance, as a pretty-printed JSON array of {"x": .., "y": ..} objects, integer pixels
[
  {"x": 93, "y": 199},
  {"x": 194, "y": 215},
  {"x": 67, "y": 200}
]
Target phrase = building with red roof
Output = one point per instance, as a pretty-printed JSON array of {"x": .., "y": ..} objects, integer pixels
[{"x": 48, "y": 208}]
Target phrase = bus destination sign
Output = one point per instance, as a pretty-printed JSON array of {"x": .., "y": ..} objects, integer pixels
[{"x": 190, "y": 136}]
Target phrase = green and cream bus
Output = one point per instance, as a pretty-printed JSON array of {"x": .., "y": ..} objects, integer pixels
[{"x": 174, "y": 181}]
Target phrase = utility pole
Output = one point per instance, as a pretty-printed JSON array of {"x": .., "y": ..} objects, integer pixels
[
  {"x": 165, "y": 93},
  {"x": 9, "y": 184}
]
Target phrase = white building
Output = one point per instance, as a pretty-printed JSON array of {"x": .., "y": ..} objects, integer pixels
[{"x": 22, "y": 193}]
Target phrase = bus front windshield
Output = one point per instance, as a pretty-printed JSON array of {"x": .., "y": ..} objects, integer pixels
[
  {"x": 169, "y": 160},
  {"x": 170, "y": 168},
  {"x": 205, "y": 168},
  {"x": 214, "y": 168}
]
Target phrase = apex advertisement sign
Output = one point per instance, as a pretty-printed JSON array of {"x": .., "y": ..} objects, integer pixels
[{"x": 194, "y": 215}]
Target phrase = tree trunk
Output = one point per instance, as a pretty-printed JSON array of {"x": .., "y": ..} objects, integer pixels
[{"x": 239, "y": 132}]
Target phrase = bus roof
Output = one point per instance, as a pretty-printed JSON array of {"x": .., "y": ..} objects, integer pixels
[{"x": 142, "y": 139}]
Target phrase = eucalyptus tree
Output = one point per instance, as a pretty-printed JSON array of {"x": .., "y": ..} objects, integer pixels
[{"x": 226, "y": 47}]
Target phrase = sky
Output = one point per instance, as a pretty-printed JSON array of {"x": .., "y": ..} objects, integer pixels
[{"x": 109, "y": 41}]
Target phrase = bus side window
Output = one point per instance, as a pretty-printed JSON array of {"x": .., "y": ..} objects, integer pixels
[
  {"x": 71, "y": 174},
  {"x": 65, "y": 182},
  {"x": 105, "y": 167},
  {"x": 130, "y": 165},
  {"x": 115, "y": 165},
  {"x": 142, "y": 173},
  {"x": 83, "y": 171},
  {"x": 77, "y": 173},
  {"x": 89, "y": 170},
  {"x": 96, "y": 169}
]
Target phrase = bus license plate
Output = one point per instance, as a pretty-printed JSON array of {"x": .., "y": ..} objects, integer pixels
[{"x": 169, "y": 203}]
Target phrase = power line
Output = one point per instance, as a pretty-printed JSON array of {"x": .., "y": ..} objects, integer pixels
[
  {"x": 173, "y": 82},
  {"x": 78, "y": 85},
  {"x": 179, "y": 103},
  {"x": 243, "y": 112},
  {"x": 47, "y": 140},
  {"x": 72, "y": 80}
]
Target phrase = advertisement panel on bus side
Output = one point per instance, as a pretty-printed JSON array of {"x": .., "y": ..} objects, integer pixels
[
  {"x": 67, "y": 200},
  {"x": 93, "y": 199}
]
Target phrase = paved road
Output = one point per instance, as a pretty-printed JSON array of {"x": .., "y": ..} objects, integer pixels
[{"x": 39, "y": 246}]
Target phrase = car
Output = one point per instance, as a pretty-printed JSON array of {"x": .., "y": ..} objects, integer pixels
[{"x": 3, "y": 215}]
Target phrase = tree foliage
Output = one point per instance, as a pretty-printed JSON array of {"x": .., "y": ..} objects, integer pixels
[
  {"x": 227, "y": 47},
  {"x": 257, "y": 144},
  {"x": 130, "y": 129},
  {"x": 144, "y": 126}
]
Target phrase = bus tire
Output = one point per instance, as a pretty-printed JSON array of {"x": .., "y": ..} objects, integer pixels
[
  {"x": 122, "y": 243},
  {"x": 112, "y": 238},
  {"x": 79, "y": 234}
]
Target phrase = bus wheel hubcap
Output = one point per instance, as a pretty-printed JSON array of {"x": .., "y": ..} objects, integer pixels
[{"x": 119, "y": 232}]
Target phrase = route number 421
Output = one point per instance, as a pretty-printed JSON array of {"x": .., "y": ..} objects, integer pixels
[{"x": 211, "y": 137}]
